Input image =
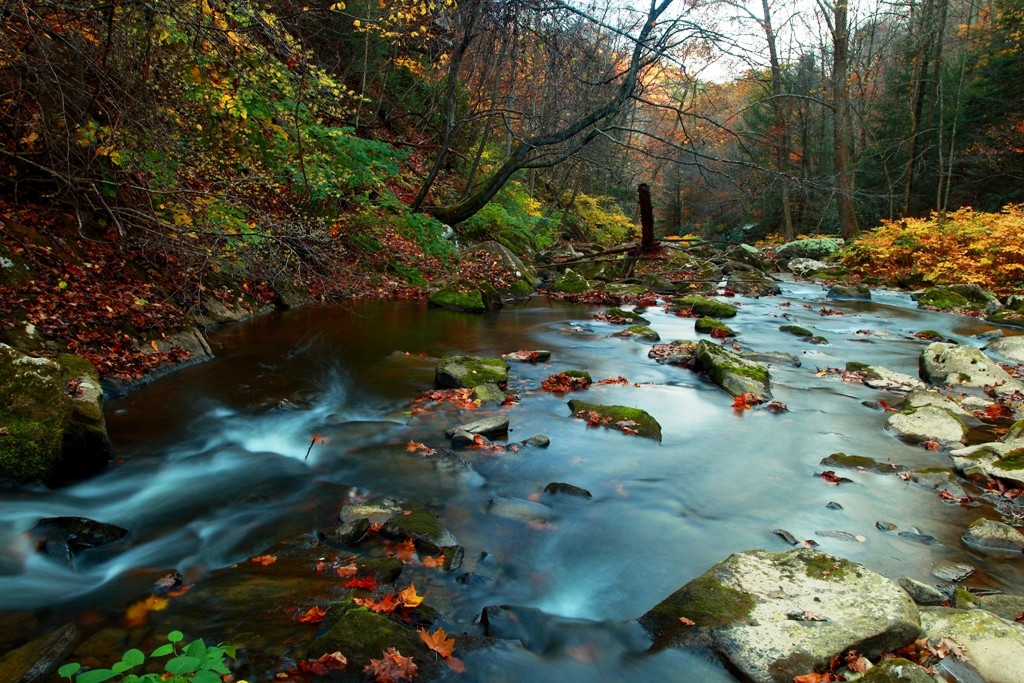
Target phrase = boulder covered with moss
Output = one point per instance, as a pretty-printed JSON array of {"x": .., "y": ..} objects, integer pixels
[
  {"x": 628, "y": 420},
  {"x": 927, "y": 423},
  {"x": 460, "y": 295},
  {"x": 774, "y": 616},
  {"x": 815, "y": 248},
  {"x": 953, "y": 297},
  {"x": 994, "y": 647},
  {"x": 732, "y": 372},
  {"x": 51, "y": 419},
  {"x": 570, "y": 282},
  {"x": 702, "y": 306},
  {"x": 454, "y": 372}
]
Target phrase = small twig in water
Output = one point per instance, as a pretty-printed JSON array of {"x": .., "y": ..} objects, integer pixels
[{"x": 310, "y": 449}]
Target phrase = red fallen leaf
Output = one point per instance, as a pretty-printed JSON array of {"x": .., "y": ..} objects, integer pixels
[
  {"x": 4, "y": 431},
  {"x": 995, "y": 411},
  {"x": 416, "y": 446},
  {"x": 826, "y": 677},
  {"x": 265, "y": 560},
  {"x": 721, "y": 333},
  {"x": 455, "y": 664},
  {"x": 438, "y": 641},
  {"x": 1020, "y": 619},
  {"x": 313, "y": 616},
  {"x": 364, "y": 582},
  {"x": 391, "y": 668},
  {"x": 687, "y": 622},
  {"x": 933, "y": 445},
  {"x": 332, "y": 661},
  {"x": 405, "y": 551},
  {"x": 389, "y": 603},
  {"x": 347, "y": 571},
  {"x": 745, "y": 401},
  {"x": 777, "y": 407},
  {"x": 831, "y": 477}
]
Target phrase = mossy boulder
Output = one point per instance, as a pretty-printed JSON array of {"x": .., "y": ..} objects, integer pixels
[
  {"x": 860, "y": 462},
  {"x": 455, "y": 372},
  {"x": 631, "y": 316},
  {"x": 52, "y": 416},
  {"x": 750, "y": 255},
  {"x": 704, "y": 307},
  {"x": 570, "y": 282},
  {"x": 460, "y": 296},
  {"x": 990, "y": 535},
  {"x": 927, "y": 423},
  {"x": 994, "y": 646},
  {"x": 521, "y": 281},
  {"x": 773, "y": 616},
  {"x": 642, "y": 333},
  {"x": 951, "y": 297},
  {"x": 362, "y": 635},
  {"x": 428, "y": 533},
  {"x": 732, "y": 372},
  {"x": 626, "y": 419},
  {"x": 814, "y": 248},
  {"x": 849, "y": 293},
  {"x": 752, "y": 283},
  {"x": 710, "y": 325},
  {"x": 897, "y": 670},
  {"x": 796, "y": 331}
]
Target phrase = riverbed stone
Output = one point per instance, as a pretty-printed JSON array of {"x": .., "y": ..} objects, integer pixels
[
  {"x": 559, "y": 487},
  {"x": 732, "y": 372},
  {"x": 921, "y": 592},
  {"x": 922, "y": 396},
  {"x": 957, "y": 365},
  {"x": 806, "y": 267},
  {"x": 994, "y": 647},
  {"x": 679, "y": 352},
  {"x": 642, "y": 333},
  {"x": 488, "y": 394},
  {"x": 997, "y": 460},
  {"x": 634, "y": 421},
  {"x": 1008, "y": 607},
  {"x": 1011, "y": 348},
  {"x": 750, "y": 255},
  {"x": 812, "y": 248},
  {"x": 36, "y": 660},
  {"x": 523, "y": 280},
  {"x": 927, "y": 423},
  {"x": 702, "y": 306},
  {"x": 862, "y": 463},
  {"x": 713, "y": 326},
  {"x": 376, "y": 512},
  {"x": 990, "y": 535},
  {"x": 629, "y": 316},
  {"x": 461, "y": 295},
  {"x": 896, "y": 670},
  {"x": 570, "y": 282},
  {"x": 848, "y": 293},
  {"x": 495, "y": 425},
  {"x": 455, "y": 372},
  {"x": 519, "y": 508},
  {"x": 884, "y": 379},
  {"x": 52, "y": 414},
  {"x": 428, "y": 533},
  {"x": 362, "y": 635},
  {"x": 753, "y": 283},
  {"x": 774, "y": 616},
  {"x": 538, "y": 441},
  {"x": 952, "y": 297}
]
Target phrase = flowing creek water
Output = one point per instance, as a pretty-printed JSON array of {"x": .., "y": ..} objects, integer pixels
[{"x": 214, "y": 465}]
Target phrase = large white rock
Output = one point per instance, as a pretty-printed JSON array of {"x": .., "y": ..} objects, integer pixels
[
  {"x": 1011, "y": 348},
  {"x": 994, "y": 647},
  {"x": 774, "y": 616},
  {"x": 925, "y": 423},
  {"x": 956, "y": 365},
  {"x": 1000, "y": 460}
]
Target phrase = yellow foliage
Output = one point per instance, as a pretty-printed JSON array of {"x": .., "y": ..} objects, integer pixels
[
  {"x": 602, "y": 219},
  {"x": 965, "y": 247}
]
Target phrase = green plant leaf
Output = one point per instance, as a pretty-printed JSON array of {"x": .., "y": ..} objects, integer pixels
[
  {"x": 96, "y": 676},
  {"x": 197, "y": 649},
  {"x": 182, "y": 665},
  {"x": 133, "y": 657},
  {"x": 163, "y": 650},
  {"x": 69, "y": 669},
  {"x": 175, "y": 636},
  {"x": 120, "y": 667},
  {"x": 206, "y": 677}
]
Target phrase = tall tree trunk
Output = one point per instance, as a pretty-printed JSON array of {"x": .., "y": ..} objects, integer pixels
[
  {"x": 646, "y": 218},
  {"x": 843, "y": 126},
  {"x": 780, "y": 124}
]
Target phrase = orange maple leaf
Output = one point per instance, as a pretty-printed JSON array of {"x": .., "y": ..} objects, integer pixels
[
  {"x": 347, "y": 571},
  {"x": 137, "y": 614},
  {"x": 409, "y": 597},
  {"x": 438, "y": 641},
  {"x": 406, "y": 550},
  {"x": 391, "y": 668},
  {"x": 265, "y": 560},
  {"x": 430, "y": 561},
  {"x": 389, "y": 603},
  {"x": 313, "y": 616}
]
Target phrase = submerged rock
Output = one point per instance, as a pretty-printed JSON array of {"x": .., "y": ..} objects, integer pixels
[
  {"x": 861, "y": 462},
  {"x": 989, "y": 535},
  {"x": 704, "y": 307},
  {"x": 519, "y": 508},
  {"x": 774, "y": 616},
  {"x": 39, "y": 658},
  {"x": 632, "y": 421},
  {"x": 455, "y": 372},
  {"x": 495, "y": 425},
  {"x": 428, "y": 533},
  {"x": 849, "y": 293},
  {"x": 714, "y": 327},
  {"x": 64, "y": 537},
  {"x": 558, "y": 487},
  {"x": 732, "y": 372}
]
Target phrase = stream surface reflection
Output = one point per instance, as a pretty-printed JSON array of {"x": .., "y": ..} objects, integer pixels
[{"x": 215, "y": 463}]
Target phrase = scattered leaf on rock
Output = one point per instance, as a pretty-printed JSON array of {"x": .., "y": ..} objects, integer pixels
[
  {"x": 391, "y": 668},
  {"x": 438, "y": 641},
  {"x": 314, "y": 615}
]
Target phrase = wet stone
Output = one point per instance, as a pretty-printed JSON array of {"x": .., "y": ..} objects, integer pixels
[
  {"x": 885, "y": 526},
  {"x": 557, "y": 487},
  {"x": 921, "y": 592},
  {"x": 488, "y": 426},
  {"x": 952, "y": 571},
  {"x": 538, "y": 441},
  {"x": 346, "y": 534}
]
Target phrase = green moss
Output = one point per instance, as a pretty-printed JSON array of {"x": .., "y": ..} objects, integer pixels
[
  {"x": 708, "y": 325},
  {"x": 1013, "y": 460},
  {"x": 570, "y": 282},
  {"x": 620, "y": 417},
  {"x": 796, "y": 330},
  {"x": 704, "y": 307},
  {"x": 854, "y": 366},
  {"x": 942, "y": 298},
  {"x": 417, "y": 523},
  {"x": 963, "y": 598},
  {"x": 628, "y": 315},
  {"x": 933, "y": 470},
  {"x": 860, "y": 462},
  {"x": 826, "y": 567},
  {"x": 460, "y": 296},
  {"x": 705, "y": 600},
  {"x": 643, "y": 332},
  {"x": 363, "y": 635},
  {"x": 579, "y": 374},
  {"x": 1016, "y": 431},
  {"x": 384, "y": 569},
  {"x": 469, "y": 371}
]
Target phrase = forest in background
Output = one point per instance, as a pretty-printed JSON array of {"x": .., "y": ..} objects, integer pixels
[{"x": 275, "y": 137}]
